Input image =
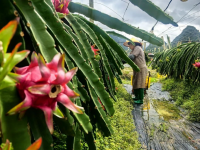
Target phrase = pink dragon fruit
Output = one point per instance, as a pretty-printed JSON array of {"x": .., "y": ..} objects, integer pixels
[
  {"x": 196, "y": 64},
  {"x": 61, "y": 6},
  {"x": 42, "y": 85}
]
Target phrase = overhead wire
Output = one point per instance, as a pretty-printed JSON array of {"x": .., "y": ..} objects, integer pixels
[
  {"x": 157, "y": 21},
  {"x": 186, "y": 24},
  {"x": 191, "y": 15},
  {"x": 110, "y": 9},
  {"x": 181, "y": 18},
  {"x": 184, "y": 36},
  {"x": 126, "y": 9},
  {"x": 122, "y": 17}
]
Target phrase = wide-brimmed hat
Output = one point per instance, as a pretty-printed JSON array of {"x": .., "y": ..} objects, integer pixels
[{"x": 133, "y": 41}]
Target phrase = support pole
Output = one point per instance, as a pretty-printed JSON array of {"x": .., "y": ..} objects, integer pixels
[{"x": 91, "y": 4}]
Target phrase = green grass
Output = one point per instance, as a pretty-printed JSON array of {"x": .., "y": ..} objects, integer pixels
[
  {"x": 127, "y": 73},
  {"x": 126, "y": 81},
  {"x": 186, "y": 95},
  {"x": 167, "y": 110},
  {"x": 153, "y": 80}
]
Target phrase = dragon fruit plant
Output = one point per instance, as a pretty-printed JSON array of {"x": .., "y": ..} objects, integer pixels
[
  {"x": 65, "y": 87},
  {"x": 176, "y": 63}
]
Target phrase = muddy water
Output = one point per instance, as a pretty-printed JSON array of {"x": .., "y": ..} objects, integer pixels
[{"x": 161, "y": 125}]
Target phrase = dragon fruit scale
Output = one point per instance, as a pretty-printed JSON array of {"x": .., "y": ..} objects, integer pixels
[{"x": 42, "y": 85}]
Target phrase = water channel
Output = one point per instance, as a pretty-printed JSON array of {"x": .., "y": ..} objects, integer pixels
[{"x": 161, "y": 125}]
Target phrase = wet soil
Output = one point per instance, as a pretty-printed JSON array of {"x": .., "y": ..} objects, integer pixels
[{"x": 163, "y": 126}]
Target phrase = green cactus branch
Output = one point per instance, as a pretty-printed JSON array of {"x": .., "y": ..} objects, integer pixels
[
  {"x": 65, "y": 42},
  {"x": 154, "y": 11},
  {"x": 106, "y": 64},
  {"x": 77, "y": 138},
  {"x": 99, "y": 108},
  {"x": 89, "y": 138},
  {"x": 95, "y": 39},
  {"x": 119, "y": 63},
  {"x": 85, "y": 43},
  {"x": 45, "y": 31},
  {"x": 44, "y": 40},
  {"x": 11, "y": 125},
  {"x": 110, "y": 87},
  {"x": 114, "y": 23},
  {"x": 66, "y": 125},
  {"x": 82, "y": 119},
  {"x": 118, "y": 59},
  {"x": 111, "y": 42},
  {"x": 177, "y": 62},
  {"x": 83, "y": 92},
  {"x": 76, "y": 40},
  {"x": 39, "y": 128},
  {"x": 116, "y": 75},
  {"x": 111, "y": 57}
]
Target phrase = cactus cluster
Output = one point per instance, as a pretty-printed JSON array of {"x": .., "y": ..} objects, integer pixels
[
  {"x": 179, "y": 62},
  {"x": 114, "y": 23},
  {"x": 43, "y": 30}
]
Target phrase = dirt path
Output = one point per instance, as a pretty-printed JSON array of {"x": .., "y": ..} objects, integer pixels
[{"x": 161, "y": 125}]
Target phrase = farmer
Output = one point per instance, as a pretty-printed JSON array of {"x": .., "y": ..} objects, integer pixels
[{"x": 139, "y": 78}]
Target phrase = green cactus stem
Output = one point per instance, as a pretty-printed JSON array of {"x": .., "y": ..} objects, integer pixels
[
  {"x": 102, "y": 49},
  {"x": 99, "y": 108},
  {"x": 113, "y": 23},
  {"x": 82, "y": 119},
  {"x": 83, "y": 39},
  {"x": 66, "y": 124},
  {"x": 11, "y": 125},
  {"x": 34, "y": 22},
  {"x": 111, "y": 42},
  {"x": 89, "y": 138},
  {"x": 65, "y": 42},
  {"x": 77, "y": 139},
  {"x": 154, "y": 11},
  {"x": 76, "y": 40},
  {"x": 118, "y": 59}
]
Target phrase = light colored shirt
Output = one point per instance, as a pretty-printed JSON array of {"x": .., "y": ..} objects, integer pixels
[{"x": 139, "y": 57}]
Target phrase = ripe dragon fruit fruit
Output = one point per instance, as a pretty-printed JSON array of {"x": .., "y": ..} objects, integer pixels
[
  {"x": 61, "y": 6},
  {"x": 42, "y": 85},
  {"x": 197, "y": 65}
]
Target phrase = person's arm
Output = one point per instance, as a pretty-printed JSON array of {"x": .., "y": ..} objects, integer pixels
[{"x": 131, "y": 56}]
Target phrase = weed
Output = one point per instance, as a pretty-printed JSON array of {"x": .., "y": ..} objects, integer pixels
[{"x": 186, "y": 95}]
